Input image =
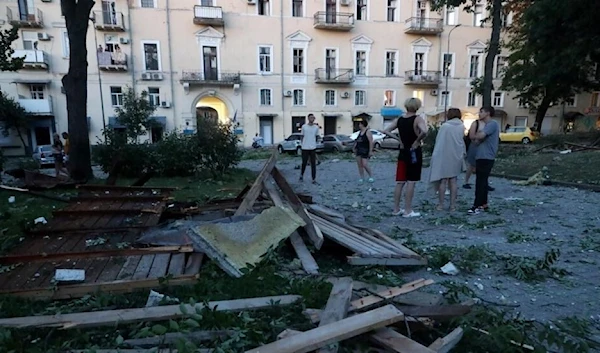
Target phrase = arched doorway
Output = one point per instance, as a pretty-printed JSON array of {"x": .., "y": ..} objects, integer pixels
[
  {"x": 211, "y": 107},
  {"x": 207, "y": 113}
]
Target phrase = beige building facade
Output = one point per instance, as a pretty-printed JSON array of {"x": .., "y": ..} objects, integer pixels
[{"x": 263, "y": 65}]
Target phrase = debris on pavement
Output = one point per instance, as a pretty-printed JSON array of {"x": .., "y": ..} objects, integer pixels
[{"x": 450, "y": 269}]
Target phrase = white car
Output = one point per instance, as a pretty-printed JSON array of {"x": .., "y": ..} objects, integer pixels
[{"x": 378, "y": 137}]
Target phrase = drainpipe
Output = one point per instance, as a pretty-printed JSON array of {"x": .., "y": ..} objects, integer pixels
[
  {"x": 282, "y": 66},
  {"x": 131, "y": 60},
  {"x": 171, "y": 72}
]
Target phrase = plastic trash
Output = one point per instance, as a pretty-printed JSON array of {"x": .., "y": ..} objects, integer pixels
[{"x": 450, "y": 269}]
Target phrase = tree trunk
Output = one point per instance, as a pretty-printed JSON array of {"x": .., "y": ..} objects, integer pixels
[
  {"x": 77, "y": 17},
  {"x": 541, "y": 112},
  {"x": 26, "y": 148},
  {"x": 493, "y": 50}
]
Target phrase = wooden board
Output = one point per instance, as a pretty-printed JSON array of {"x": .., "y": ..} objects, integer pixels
[
  {"x": 126, "y": 316},
  {"x": 173, "y": 337},
  {"x": 194, "y": 263},
  {"x": 437, "y": 313},
  {"x": 446, "y": 343},
  {"x": 334, "y": 332},
  {"x": 371, "y": 300},
  {"x": 176, "y": 265},
  {"x": 381, "y": 261},
  {"x": 392, "y": 340},
  {"x": 336, "y": 308},
  {"x": 257, "y": 186}
]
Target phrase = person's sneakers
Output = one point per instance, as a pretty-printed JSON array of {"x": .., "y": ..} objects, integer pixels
[
  {"x": 491, "y": 188},
  {"x": 401, "y": 211},
  {"x": 360, "y": 181},
  {"x": 467, "y": 186},
  {"x": 371, "y": 180},
  {"x": 474, "y": 210},
  {"x": 411, "y": 214}
]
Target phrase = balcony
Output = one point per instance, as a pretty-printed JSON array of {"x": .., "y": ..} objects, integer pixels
[
  {"x": 335, "y": 21},
  {"x": 423, "y": 78},
  {"x": 34, "y": 59},
  {"x": 334, "y": 76},
  {"x": 208, "y": 15},
  {"x": 109, "y": 21},
  {"x": 37, "y": 106},
  {"x": 16, "y": 18},
  {"x": 421, "y": 25},
  {"x": 115, "y": 61},
  {"x": 220, "y": 78}
]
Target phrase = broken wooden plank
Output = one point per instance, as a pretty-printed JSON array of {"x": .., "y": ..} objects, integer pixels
[
  {"x": 437, "y": 313},
  {"x": 127, "y": 316},
  {"x": 287, "y": 333},
  {"x": 412, "y": 298},
  {"x": 334, "y": 332},
  {"x": 11, "y": 259},
  {"x": 96, "y": 212},
  {"x": 124, "y": 188},
  {"x": 392, "y": 340},
  {"x": 366, "y": 302},
  {"x": 384, "y": 261},
  {"x": 336, "y": 308},
  {"x": 308, "y": 261},
  {"x": 194, "y": 263},
  {"x": 173, "y": 337},
  {"x": 35, "y": 193},
  {"x": 120, "y": 350},
  {"x": 257, "y": 186},
  {"x": 515, "y": 343},
  {"x": 314, "y": 233},
  {"x": 446, "y": 343}
]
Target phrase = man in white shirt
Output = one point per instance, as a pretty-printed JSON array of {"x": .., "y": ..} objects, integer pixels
[{"x": 310, "y": 133}]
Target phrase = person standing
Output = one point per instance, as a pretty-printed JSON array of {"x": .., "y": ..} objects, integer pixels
[
  {"x": 57, "y": 153},
  {"x": 412, "y": 129},
  {"x": 66, "y": 148},
  {"x": 448, "y": 158},
  {"x": 363, "y": 150},
  {"x": 488, "y": 139},
  {"x": 471, "y": 151},
  {"x": 310, "y": 134}
]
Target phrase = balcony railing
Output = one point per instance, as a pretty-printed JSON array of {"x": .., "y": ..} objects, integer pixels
[
  {"x": 31, "y": 20},
  {"x": 334, "y": 75},
  {"x": 425, "y": 78},
  {"x": 115, "y": 61},
  {"x": 109, "y": 21},
  {"x": 37, "y": 106},
  {"x": 214, "y": 78},
  {"x": 336, "y": 21},
  {"x": 421, "y": 25},
  {"x": 208, "y": 15},
  {"x": 34, "y": 59}
]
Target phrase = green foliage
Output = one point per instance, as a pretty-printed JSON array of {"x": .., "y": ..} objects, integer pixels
[
  {"x": 518, "y": 237},
  {"x": 135, "y": 114},
  {"x": 429, "y": 141},
  {"x": 13, "y": 117},
  {"x": 532, "y": 269},
  {"x": 7, "y": 62},
  {"x": 468, "y": 259}
]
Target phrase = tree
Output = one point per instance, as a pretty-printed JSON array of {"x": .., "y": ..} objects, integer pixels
[
  {"x": 13, "y": 117},
  {"x": 7, "y": 62},
  {"x": 77, "y": 18},
  {"x": 135, "y": 114},
  {"x": 495, "y": 7},
  {"x": 554, "y": 51}
]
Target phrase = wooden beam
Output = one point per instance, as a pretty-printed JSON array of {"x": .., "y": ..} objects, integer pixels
[
  {"x": 91, "y": 212},
  {"x": 173, "y": 337},
  {"x": 336, "y": 308},
  {"x": 381, "y": 261},
  {"x": 392, "y": 340},
  {"x": 369, "y": 301},
  {"x": 314, "y": 233},
  {"x": 166, "y": 350},
  {"x": 127, "y": 316},
  {"x": 308, "y": 261},
  {"x": 124, "y": 187},
  {"x": 132, "y": 198},
  {"x": 437, "y": 313},
  {"x": 35, "y": 193},
  {"x": 334, "y": 332},
  {"x": 448, "y": 342},
  {"x": 257, "y": 186},
  {"x": 11, "y": 259}
]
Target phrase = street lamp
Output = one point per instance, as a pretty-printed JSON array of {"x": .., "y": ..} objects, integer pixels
[
  {"x": 447, "y": 69},
  {"x": 93, "y": 20}
]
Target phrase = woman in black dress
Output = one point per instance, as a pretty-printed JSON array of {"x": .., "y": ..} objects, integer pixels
[{"x": 363, "y": 150}]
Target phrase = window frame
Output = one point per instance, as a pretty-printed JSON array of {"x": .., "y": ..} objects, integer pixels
[
  {"x": 497, "y": 73},
  {"x": 116, "y": 96},
  {"x": 364, "y": 97},
  {"x": 270, "y": 96},
  {"x": 37, "y": 93},
  {"x": 396, "y": 69},
  {"x": 366, "y": 63},
  {"x": 521, "y": 117},
  {"x": 476, "y": 14},
  {"x": 154, "y": 5},
  {"x": 451, "y": 69},
  {"x": 302, "y": 8},
  {"x": 158, "y": 53},
  {"x": 395, "y": 11},
  {"x": 445, "y": 95},
  {"x": 334, "y": 98},
  {"x": 303, "y": 58},
  {"x": 294, "y": 96},
  {"x": 260, "y": 3},
  {"x": 66, "y": 47},
  {"x": 269, "y": 56},
  {"x": 475, "y": 99},
  {"x": 571, "y": 103},
  {"x": 447, "y": 11},
  {"x": 361, "y": 4},
  {"x": 393, "y": 98},
  {"x": 154, "y": 98},
  {"x": 501, "y": 105},
  {"x": 478, "y": 68}
]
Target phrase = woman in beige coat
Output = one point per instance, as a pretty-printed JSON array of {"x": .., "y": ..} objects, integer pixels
[{"x": 447, "y": 160}]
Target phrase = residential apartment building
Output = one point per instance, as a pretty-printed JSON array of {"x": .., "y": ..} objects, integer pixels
[{"x": 262, "y": 64}]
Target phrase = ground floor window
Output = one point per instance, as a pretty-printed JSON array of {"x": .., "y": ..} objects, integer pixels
[{"x": 156, "y": 133}]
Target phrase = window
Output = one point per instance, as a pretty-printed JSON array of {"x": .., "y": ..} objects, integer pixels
[
  {"x": 501, "y": 65},
  {"x": 207, "y": 3},
  {"x": 472, "y": 99},
  {"x": 391, "y": 63},
  {"x": 360, "y": 97},
  {"x": 29, "y": 40},
  {"x": 156, "y": 133},
  {"x": 389, "y": 98},
  {"x": 264, "y": 7},
  {"x": 265, "y": 96},
  {"x": 520, "y": 121},
  {"x": 361, "y": 10},
  {"x": 505, "y": 19},
  {"x": 391, "y": 10},
  {"x": 330, "y": 97},
  {"x": 149, "y": 4},
  {"x": 523, "y": 103},
  {"x": 116, "y": 96},
  {"x": 474, "y": 66},
  {"x": 151, "y": 57},
  {"x": 37, "y": 91},
  {"x": 297, "y": 8},
  {"x": 298, "y": 97},
  {"x": 419, "y": 62},
  {"x": 419, "y": 94},
  {"x": 265, "y": 59},
  {"x": 478, "y": 15},
  {"x": 595, "y": 102},
  {"x": 154, "y": 96},
  {"x": 65, "y": 45},
  {"x": 361, "y": 63},
  {"x": 298, "y": 64},
  {"x": 447, "y": 62},
  {"x": 111, "y": 42},
  {"x": 445, "y": 98},
  {"x": 498, "y": 99},
  {"x": 571, "y": 101},
  {"x": 450, "y": 16}
]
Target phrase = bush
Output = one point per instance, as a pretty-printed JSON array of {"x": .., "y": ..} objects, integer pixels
[{"x": 429, "y": 141}]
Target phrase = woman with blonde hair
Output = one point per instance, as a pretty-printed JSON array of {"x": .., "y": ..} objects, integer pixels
[{"x": 447, "y": 160}]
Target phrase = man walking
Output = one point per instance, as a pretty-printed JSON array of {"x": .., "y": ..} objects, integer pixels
[
  {"x": 488, "y": 139},
  {"x": 310, "y": 133}
]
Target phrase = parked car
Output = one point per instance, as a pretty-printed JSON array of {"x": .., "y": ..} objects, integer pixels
[
  {"x": 521, "y": 134},
  {"x": 293, "y": 144},
  {"x": 43, "y": 155},
  {"x": 377, "y": 136},
  {"x": 338, "y": 143},
  {"x": 387, "y": 143}
]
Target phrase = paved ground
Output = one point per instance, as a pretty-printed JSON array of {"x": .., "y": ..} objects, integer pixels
[{"x": 537, "y": 218}]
